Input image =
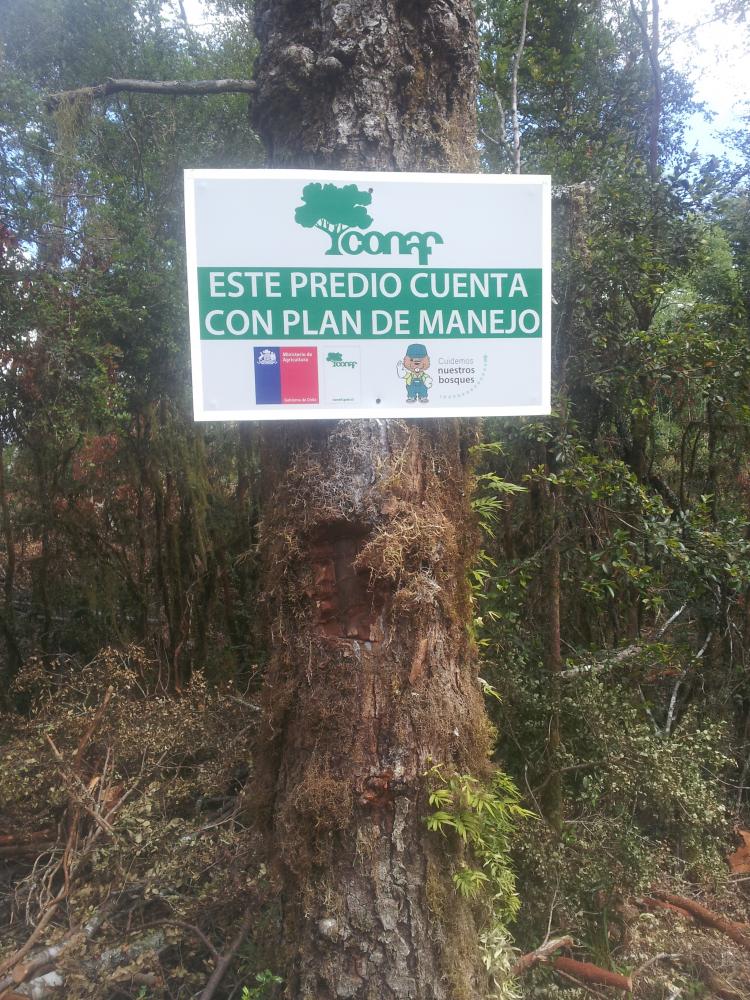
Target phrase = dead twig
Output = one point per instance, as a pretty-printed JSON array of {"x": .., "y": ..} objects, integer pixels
[
  {"x": 86, "y": 738},
  {"x": 71, "y": 863},
  {"x": 225, "y": 961},
  {"x": 663, "y": 956},
  {"x": 48, "y": 957},
  {"x": 81, "y": 796}
]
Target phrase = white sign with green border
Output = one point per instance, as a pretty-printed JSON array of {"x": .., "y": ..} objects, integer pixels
[{"x": 324, "y": 294}]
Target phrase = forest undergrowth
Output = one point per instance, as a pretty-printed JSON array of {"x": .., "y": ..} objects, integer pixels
[{"x": 130, "y": 862}]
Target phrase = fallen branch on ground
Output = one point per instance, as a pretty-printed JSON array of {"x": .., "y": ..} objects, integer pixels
[
  {"x": 658, "y": 904},
  {"x": 739, "y": 933},
  {"x": 587, "y": 973},
  {"x": 103, "y": 807},
  {"x": 540, "y": 954},
  {"x": 11, "y": 838},
  {"x": 716, "y": 983},
  {"x": 46, "y": 959}
]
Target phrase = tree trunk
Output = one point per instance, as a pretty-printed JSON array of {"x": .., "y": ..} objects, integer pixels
[
  {"x": 553, "y": 804},
  {"x": 7, "y": 613},
  {"x": 367, "y": 534},
  {"x": 367, "y": 84}
]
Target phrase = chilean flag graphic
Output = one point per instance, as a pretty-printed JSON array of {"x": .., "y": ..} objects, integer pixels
[{"x": 286, "y": 375}]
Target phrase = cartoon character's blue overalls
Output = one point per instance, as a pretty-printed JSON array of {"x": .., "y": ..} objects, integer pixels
[{"x": 415, "y": 387}]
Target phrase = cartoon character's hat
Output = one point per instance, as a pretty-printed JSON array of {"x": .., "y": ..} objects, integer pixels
[{"x": 416, "y": 351}]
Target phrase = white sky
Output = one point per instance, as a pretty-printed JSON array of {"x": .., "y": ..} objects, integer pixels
[{"x": 717, "y": 60}]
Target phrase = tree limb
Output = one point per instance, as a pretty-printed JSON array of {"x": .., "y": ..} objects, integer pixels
[
  {"x": 514, "y": 91},
  {"x": 46, "y": 957},
  {"x": 540, "y": 954},
  {"x": 191, "y": 928},
  {"x": 651, "y": 45},
  {"x": 585, "y": 972},
  {"x": 658, "y": 904},
  {"x": 181, "y": 88},
  {"x": 226, "y": 959},
  {"x": 616, "y": 656},
  {"x": 84, "y": 741},
  {"x": 716, "y": 983},
  {"x": 739, "y": 933}
]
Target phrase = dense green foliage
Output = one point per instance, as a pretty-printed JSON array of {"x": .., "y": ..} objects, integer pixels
[
  {"x": 628, "y": 727},
  {"x": 128, "y": 521},
  {"x": 624, "y": 518}
]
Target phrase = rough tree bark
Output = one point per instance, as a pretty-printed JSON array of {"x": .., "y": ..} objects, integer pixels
[{"x": 366, "y": 538}]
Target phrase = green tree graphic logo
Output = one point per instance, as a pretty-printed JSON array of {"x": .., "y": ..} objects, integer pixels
[{"x": 334, "y": 210}]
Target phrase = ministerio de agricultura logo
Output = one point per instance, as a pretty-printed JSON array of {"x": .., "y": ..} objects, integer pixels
[{"x": 341, "y": 213}]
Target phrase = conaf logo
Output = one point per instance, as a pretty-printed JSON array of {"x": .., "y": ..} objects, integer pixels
[
  {"x": 266, "y": 357},
  {"x": 341, "y": 213},
  {"x": 336, "y": 359}
]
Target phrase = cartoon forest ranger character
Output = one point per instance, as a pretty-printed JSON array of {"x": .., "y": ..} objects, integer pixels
[{"x": 413, "y": 370}]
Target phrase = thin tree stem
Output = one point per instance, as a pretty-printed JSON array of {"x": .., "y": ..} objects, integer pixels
[{"x": 514, "y": 91}]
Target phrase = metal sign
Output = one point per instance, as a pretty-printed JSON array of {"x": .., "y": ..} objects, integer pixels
[{"x": 327, "y": 294}]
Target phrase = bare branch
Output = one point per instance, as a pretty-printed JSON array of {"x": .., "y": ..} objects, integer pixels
[
  {"x": 625, "y": 653},
  {"x": 191, "y": 928},
  {"x": 678, "y": 685},
  {"x": 182, "y": 88},
  {"x": 514, "y": 92},
  {"x": 183, "y": 16},
  {"x": 738, "y": 932},
  {"x": 651, "y": 45},
  {"x": 226, "y": 959},
  {"x": 92, "y": 727},
  {"x": 587, "y": 974},
  {"x": 540, "y": 954}
]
